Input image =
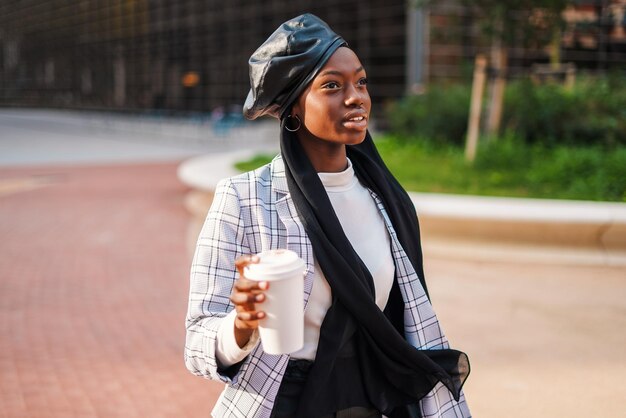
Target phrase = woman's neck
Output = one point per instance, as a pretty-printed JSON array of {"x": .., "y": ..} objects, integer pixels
[{"x": 326, "y": 157}]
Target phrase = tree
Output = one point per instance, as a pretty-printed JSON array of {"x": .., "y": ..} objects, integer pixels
[
  {"x": 504, "y": 24},
  {"x": 533, "y": 22}
]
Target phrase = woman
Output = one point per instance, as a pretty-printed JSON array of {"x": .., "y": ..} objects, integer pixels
[{"x": 373, "y": 345}]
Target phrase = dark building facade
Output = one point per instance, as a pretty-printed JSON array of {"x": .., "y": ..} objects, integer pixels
[
  {"x": 172, "y": 55},
  {"x": 191, "y": 55},
  {"x": 593, "y": 39}
]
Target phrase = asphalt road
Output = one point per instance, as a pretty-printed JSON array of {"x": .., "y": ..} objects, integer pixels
[{"x": 46, "y": 137}]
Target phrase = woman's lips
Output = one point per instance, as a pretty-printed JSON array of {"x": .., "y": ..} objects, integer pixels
[{"x": 357, "y": 122}]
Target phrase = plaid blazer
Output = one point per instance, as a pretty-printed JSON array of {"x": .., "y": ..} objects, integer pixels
[{"x": 253, "y": 212}]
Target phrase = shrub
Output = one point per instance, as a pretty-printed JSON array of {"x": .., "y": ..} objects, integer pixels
[
  {"x": 439, "y": 114},
  {"x": 593, "y": 112}
]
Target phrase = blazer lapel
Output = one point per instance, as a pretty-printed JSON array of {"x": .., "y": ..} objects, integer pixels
[
  {"x": 408, "y": 277},
  {"x": 297, "y": 240}
]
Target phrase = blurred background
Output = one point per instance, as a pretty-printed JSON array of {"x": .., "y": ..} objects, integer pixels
[
  {"x": 505, "y": 120},
  {"x": 189, "y": 56}
]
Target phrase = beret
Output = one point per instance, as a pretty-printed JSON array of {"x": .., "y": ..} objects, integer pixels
[{"x": 282, "y": 67}]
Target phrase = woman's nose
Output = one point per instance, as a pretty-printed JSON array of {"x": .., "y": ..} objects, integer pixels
[{"x": 355, "y": 97}]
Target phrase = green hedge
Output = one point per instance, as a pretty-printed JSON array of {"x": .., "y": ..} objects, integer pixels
[
  {"x": 439, "y": 114},
  {"x": 591, "y": 113}
]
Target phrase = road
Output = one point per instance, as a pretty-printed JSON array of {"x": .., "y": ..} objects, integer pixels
[{"x": 35, "y": 137}]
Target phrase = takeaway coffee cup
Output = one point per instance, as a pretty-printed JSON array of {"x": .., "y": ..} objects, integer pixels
[{"x": 282, "y": 330}]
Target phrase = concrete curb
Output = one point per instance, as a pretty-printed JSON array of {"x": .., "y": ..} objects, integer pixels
[
  {"x": 475, "y": 227},
  {"x": 546, "y": 230}
]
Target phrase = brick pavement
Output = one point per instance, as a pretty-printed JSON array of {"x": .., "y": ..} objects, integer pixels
[{"x": 93, "y": 288}]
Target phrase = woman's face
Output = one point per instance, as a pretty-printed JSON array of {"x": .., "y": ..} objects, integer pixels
[{"x": 335, "y": 107}]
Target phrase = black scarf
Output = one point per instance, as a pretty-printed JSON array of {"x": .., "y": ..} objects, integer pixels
[{"x": 356, "y": 337}]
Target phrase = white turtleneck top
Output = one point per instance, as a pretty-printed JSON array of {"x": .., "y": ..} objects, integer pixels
[{"x": 365, "y": 228}]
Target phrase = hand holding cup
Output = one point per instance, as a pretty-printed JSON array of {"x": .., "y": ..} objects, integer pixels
[
  {"x": 245, "y": 296},
  {"x": 281, "y": 323}
]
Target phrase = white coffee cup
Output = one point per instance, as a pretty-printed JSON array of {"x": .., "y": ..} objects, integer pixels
[{"x": 282, "y": 330}]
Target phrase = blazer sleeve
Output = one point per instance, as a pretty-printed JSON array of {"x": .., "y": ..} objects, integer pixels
[{"x": 221, "y": 240}]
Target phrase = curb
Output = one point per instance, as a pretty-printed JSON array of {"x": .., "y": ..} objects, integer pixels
[
  {"x": 471, "y": 227},
  {"x": 543, "y": 230}
]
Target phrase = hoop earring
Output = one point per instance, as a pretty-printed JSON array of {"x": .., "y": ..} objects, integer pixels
[{"x": 287, "y": 125}]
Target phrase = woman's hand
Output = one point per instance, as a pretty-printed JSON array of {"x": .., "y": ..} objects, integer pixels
[{"x": 246, "y": 294}]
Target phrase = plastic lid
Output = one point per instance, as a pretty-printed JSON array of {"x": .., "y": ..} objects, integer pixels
[{"x": 275, "y": 265}]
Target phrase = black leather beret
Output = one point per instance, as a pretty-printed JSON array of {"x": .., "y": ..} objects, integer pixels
[{"x": 288, "y": 60}]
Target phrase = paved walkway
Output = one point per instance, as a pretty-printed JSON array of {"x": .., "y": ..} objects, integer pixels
[
  {"x": 93, "y": 288},
  {"x": 543, "y": 340}
]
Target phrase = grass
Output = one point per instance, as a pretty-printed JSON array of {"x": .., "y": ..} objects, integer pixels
[
  {"x": 503, "y": 168},
  {"x": 253, "y": 163}
]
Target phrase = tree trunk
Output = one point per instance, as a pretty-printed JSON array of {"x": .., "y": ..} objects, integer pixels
[
  {"x": 555, "y": 48},
  {"x": 497, "y": 85},
  {"x": 476, "y": 104}
]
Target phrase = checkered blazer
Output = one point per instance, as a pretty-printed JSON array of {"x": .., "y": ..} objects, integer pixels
[{"x": 253, "y": 212}]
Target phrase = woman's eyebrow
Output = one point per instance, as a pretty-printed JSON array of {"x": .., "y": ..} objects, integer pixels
[{"x": 335, "y": 72}]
